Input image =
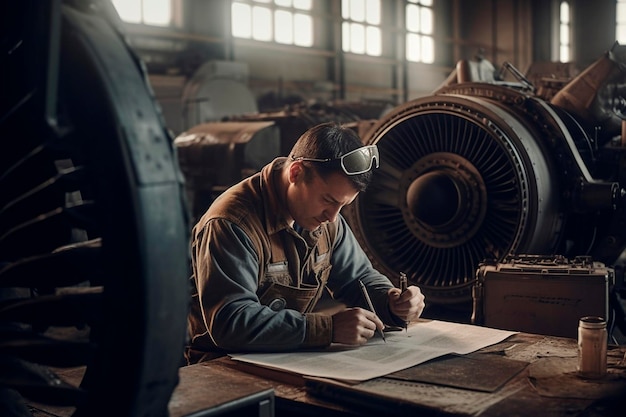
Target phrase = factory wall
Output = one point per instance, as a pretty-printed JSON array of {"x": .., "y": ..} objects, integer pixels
[{"x": 516, "y": 31}]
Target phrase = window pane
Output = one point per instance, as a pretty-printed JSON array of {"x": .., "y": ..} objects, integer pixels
[
  {"x": 426, "y": 2},
  {"x": 284, "y": 3},
  {"x": 303, "y": 4},
  {"x": 564, "y": 12},
  {"x": 345, "y": 9},
  {"x": 428, "y": 50},
  {"x": 412, "y": 21},
  {"x": 564, "y": 35},
  {"x": 620, "y": 28},
  {"x": 241, "y": 20},
  {"x": 283, "y": 27},
  {"x": 303, "y": 30},
  {"x": 374, "y": 47},
  {"x": 413, "y": 47},
  {"x": 621, "y": 11},
  {"x": 345, "y": 36},
  {"x": 262, "y": 23},
  {"x": 426, "y": 20},
  {"x": 564, "y": 54},
  {"x": 129, "y": 10},
  {"x": 157, "y": 12},
  {"x": 372, "y": 11},
  {"x": 621, "y": 34},
  {"x": 357, "y": 38},
  {"x": 263, "y": 1},
  {"x": 357, "y": 10}
]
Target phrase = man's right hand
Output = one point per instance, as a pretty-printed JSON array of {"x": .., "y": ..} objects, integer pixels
[{"x": 355, "y": 326}]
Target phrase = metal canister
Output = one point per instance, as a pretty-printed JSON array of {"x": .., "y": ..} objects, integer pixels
[{"x": 592, "y": 344}]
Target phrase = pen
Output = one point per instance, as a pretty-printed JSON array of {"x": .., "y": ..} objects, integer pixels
[
  {"x": 371, "y": 306},
  {"x": 403, "y": 285}
]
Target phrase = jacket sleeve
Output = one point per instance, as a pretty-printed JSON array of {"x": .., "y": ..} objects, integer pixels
[
  {"x": 226, "y": 271},
  {"x": 350, "y": 264}
]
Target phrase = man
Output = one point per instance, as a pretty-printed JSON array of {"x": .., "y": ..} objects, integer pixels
[{"x": 269, "y": 247}]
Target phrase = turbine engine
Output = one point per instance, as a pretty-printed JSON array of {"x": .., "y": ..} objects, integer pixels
[{"x": 483, "y": 170}]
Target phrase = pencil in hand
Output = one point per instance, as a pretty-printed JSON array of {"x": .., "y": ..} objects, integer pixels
[
  {"x": 403, "y": 286},
  {"x": 371, "y": 306}
]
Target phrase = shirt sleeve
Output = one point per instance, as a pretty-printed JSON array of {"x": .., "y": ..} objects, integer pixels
[
  {"x": 227, "y": 280},
  {"x": 351, "y": 264}
]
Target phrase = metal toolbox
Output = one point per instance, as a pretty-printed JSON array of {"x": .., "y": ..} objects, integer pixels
[{"x": 540, "y": 294}]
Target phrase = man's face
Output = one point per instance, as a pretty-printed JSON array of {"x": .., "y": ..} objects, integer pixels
[{"x": 315, "y": 201}]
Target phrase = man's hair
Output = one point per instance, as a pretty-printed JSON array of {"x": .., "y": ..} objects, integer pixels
[{"x": 330, "y": 141}]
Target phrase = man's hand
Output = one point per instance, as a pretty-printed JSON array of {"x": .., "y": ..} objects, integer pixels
[
  {"x": 407, "y": 305},
  {"x": 355, "y": 326}
]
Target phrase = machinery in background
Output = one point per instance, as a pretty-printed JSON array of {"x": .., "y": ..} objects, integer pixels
[
  {"x": 217, "y": 89},
  {"x": 215, "y": 155},
  {"x": 481, "y": 169},
  {"x": 486, "y": 169}
]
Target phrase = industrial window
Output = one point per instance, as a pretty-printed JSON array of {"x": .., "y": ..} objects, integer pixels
[
  {"x": 620, "y": 24},
  {"x": 283, "y": 21},
  {"x": 361, "y": 33},
  {"x": 564, "y": 32},
  {"x": 420, "y": 46},
  {"x": 149, "y": 12}
]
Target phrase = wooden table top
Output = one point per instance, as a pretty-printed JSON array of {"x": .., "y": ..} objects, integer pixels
[{"x": 548, "y": 386}]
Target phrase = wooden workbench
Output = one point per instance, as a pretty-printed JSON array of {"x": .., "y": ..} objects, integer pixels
[
  {"x": 202, "y": 391},
  {"x": 547, "y": 386}
]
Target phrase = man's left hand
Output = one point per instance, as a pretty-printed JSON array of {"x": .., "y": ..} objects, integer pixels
[{"x": 407, "y": 305}]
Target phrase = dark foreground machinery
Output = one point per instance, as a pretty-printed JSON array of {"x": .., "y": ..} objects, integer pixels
[
  {"x": 486, "y": 169},
  {"x": 93, "y": 226}
]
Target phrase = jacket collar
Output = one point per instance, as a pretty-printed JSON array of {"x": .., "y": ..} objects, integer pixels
[
  {"x": 275, "y": 207},
  {"x": 276, "y": 213}
]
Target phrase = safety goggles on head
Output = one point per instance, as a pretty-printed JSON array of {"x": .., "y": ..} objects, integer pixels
[{"x": 354, "y": 162}]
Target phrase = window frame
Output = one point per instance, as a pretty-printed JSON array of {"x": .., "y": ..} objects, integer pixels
[
  {"x": 424, "y": 39},
  {"x": 274, "y": 8},
  {"x": 565, "y": 26},
  {"x": 371, "y": 30},
  {"x": 174, "y": 14}
]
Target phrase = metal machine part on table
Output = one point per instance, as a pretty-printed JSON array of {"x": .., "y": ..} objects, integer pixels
[{"x": 541, "y": 294}]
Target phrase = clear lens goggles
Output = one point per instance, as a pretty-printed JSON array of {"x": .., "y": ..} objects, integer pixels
[{"x": 354, "y": 162}]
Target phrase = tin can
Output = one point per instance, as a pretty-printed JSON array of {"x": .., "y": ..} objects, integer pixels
[{"x": 592, "y": 345}]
